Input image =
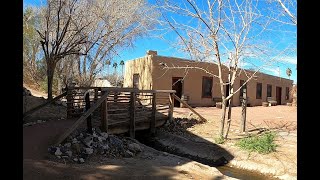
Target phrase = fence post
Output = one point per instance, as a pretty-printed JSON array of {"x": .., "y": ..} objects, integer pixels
[
  {"x": 153, "y": 115},
  {"x": 104, "y": 114},
  {"x": 69, "y": 101},
  {"x": 171, "y": 105},
  {"x": 244, "y": 111},
  {"x": 95, "y": 95},
  {"x": 89, "y": 123},
  {"x": 115, "y": 97},
  {"x": 132, "y": 113}
]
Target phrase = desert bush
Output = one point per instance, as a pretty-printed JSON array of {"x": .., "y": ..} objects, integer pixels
[{"x": 263, "y": 144}]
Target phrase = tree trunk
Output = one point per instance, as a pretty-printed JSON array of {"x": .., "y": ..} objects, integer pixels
[
  {"x": 50, "y": 73},
  {"x": 223, "y": 116},
  {"x": 229, "y": 117},
  {"x": 244, "y": 111}
]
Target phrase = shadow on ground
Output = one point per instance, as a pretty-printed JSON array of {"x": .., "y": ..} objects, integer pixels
[
  {"x": 176, "y": 139},
  {"x": 148, "y": 164}
]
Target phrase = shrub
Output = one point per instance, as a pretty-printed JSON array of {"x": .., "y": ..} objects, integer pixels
[
  {"x": 219, "y": 140},
  {"x": 263, "y": 144}
]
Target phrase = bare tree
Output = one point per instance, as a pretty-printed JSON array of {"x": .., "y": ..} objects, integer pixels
[
  {"x": 31, "y": 47},
  {"x": 223, "y": 32},
  {"x": 289, "y": 8},
  {"x": 65, "y": 22},
  {"x": 118, "y": 24}
]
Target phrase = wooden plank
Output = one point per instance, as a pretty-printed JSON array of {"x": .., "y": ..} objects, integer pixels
[
  {"x": 146, "y": 119},
  {"x": 125, "y": 109},
  {"x": 187, "y": 105},
  {"x": 84, "y": 88},
  {"x": 132, "y": 114},
  {"x": 120, "y": 114},
  {"x": 69, "y": 102},
  {"x": 95, "y": 95},
  {"x": 145, "y": 113},
  {"x": 104, "y": 116},
  {"x": 81, "y": 119},
  {"x": 119, "y": 122},
  {"x": 106, "y": 121},
  {"x": 153, "y": 115},
  {"x": 120, "y": 102},
  {"x": 89, "y": 123},
  {"x": 163, "y": 108},
  {"x": 43, "y": 105},
  {"x": 171, "y": 105},
  {"x": 144, "y": 99}
]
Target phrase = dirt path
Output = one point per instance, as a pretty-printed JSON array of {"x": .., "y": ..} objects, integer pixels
[
  {"x": 37, "y": 138},
  {"x": 148, "y": 164},
  {"x": 35, "y": 92}
]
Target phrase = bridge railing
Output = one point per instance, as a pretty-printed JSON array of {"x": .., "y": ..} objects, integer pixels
[{"x": 121, "y": 109}]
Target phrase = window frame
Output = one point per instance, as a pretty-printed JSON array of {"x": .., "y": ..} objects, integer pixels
[
  {"x": 257, "y": 92},
  {"x": 269, "y": 85},
  {"x": 138, "y": 80}
]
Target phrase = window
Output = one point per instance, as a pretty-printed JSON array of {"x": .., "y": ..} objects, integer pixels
[
  {"x": 135, "y": 80},
  {"x": 241, "y": 90},
  {"x": 269, "y": 90},
  {"x": 207, "y": 87},
  {"x": 287, "y": 93},
  {"x": 259, "y": 91}
]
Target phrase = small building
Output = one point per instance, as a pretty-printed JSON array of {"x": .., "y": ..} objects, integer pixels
[
  {"x": 199, "y": 87},
  {"x": 101, "y": 82}
]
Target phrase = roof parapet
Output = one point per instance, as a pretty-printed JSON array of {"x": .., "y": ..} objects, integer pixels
[{"x": 152, "y": 53}]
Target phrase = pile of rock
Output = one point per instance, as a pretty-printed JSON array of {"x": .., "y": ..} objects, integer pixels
[
  {"x": 179, "y": 125},
  {"x": 80, "y": 146}
]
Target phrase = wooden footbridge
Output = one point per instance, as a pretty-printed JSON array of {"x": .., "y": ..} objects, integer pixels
[{"x": 117, "y": 110}]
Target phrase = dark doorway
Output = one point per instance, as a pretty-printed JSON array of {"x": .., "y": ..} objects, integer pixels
[
  {"x": 278, "y": 95},
  {"x": 227, "y": 92},
  {"x": 135, "y": 81},
  {"x": 177, "y": 85}
]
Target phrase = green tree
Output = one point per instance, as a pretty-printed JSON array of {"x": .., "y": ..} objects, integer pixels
[
  {"x": 108, "y": 63},
  {"x": 122, "y": 64},
  {"x": 289, "y": 72},
  {"x": 115, "y": 65}
]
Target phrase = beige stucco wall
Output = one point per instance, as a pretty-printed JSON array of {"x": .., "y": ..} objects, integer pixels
[
  {"x": 153, "y": 76},
  {"x": 192, "y": 84},
  {"x": 143, "y": 67},
  {"x": 264, "y": 79}
]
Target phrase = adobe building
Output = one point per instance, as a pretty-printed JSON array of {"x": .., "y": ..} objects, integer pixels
[{"x": 201, "y": 89}]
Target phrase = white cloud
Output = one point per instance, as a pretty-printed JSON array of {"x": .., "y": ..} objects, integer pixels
[
  {"x": 275, "y": 71},
  {"x": 243, "y": 64},
  {"x": 288, "y": 59}
]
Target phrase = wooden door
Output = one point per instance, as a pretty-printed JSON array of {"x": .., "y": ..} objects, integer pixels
[
  {"x": 278, "y": 95},
  {"x": 177, "y": 85}
]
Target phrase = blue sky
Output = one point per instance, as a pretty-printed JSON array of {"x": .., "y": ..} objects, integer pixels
[{"x": 278, "y": 40}]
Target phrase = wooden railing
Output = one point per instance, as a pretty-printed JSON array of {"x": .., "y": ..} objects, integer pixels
[{"x": 129, "y": 109}]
